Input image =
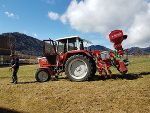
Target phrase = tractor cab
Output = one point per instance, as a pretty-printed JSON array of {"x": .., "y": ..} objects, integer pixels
[
  {"x": 69, "y": 43},
  {"x": 63, "y": 45},
  {"x": 52, "y": 49}
]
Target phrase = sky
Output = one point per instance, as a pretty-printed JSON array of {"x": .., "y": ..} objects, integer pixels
[{"x": 90, "y": 19}]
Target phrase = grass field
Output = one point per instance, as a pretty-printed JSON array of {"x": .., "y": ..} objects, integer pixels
[{"x": 128, "y": 94}]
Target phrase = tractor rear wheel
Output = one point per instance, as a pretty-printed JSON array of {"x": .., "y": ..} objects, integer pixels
[
  {"x": 42, "y": 75},
  {"x": 94, "y": 67},
  {"x": 78, "y": 68}
]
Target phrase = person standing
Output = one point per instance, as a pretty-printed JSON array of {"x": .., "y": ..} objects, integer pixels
[{"x": 14, "y": 67}]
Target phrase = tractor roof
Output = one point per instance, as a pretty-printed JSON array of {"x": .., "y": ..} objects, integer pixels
[
  {"x": 69, "y": 37},
  {"x": 72, "y": 39}
]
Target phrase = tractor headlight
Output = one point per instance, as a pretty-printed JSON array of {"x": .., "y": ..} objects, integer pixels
[{"x": 38, "y": 60}]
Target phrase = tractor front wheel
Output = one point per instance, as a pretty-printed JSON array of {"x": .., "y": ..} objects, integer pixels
[
  {"x": 78, "y": 68},
  {"x": 42, "y": 75}
]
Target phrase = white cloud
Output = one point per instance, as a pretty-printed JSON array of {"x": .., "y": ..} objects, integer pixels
[
  {"x": 53, "y": 16},
  {"x": 11, "y": 15},
  {"x": 35, "y": 35},
  {"x": 25, "y": 32},
  {"x": 139, "y": 32},
  {"x": 103, "y": 16}
]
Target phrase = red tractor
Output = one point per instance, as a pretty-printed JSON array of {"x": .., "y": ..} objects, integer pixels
[{"x": 80, "y": 64}]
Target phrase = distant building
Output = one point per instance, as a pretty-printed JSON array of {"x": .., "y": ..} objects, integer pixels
[{"x": 7, "y": 47}]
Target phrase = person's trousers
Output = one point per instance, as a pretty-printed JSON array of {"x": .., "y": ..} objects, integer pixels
[{"x": 14, "y": 75}]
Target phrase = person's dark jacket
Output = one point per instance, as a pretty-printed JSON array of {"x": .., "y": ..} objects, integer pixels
[{"x": 16, "y": 62}]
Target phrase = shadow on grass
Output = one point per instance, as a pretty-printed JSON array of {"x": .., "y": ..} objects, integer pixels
[
  {"x": 6, "y": 110},
  {"x": 129, "y": 76},
  {"x": 27, "y": 82}
]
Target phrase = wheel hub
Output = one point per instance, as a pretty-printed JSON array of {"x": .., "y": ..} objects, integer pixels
[
  {"x": 43, "y": 76},
  {"x": 78, "y": 69}
]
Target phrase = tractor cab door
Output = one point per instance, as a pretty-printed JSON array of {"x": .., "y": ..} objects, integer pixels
[{"x": 49, "y": 51}]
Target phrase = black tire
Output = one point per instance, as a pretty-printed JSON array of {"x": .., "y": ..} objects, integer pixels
[
  {"x": 94, "y": 70},
  {"x": 94, "y": 67},
  {"x": 42, "y": 75},
  {"x": 76, "y": 61}
]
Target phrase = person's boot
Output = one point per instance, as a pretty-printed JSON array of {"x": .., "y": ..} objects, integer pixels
[
  {"x": 15, "y": 82},
  {"x": 12, "y": 80}
]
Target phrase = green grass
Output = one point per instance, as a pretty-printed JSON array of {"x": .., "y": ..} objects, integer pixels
[
  {"x": 137, "y": 65},
  {"x": 26, "y": 73},
  {"x": 63, "y": 96}
]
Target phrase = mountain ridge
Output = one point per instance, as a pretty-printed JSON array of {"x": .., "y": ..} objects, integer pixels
[
  {"x": 26, "y": 44},
  {"x": 32, "y": 46}
]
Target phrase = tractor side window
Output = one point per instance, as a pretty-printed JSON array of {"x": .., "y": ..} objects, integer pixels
[
  {"x": 81, "y": 46},
  {"x": 61, "y": 48},
  {"x": 71, "y": 46},
  {"x": 49, "y": 47}
]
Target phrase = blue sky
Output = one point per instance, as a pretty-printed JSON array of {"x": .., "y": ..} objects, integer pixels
[
  {"x": 74, "y": 17},
  {"x": 31, "y": 17}
]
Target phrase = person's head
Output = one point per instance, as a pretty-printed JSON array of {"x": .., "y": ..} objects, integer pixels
[{"x": 12, "y": 56}]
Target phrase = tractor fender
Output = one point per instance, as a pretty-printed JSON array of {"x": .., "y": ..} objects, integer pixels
[{"x": 75, "y": 52}]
